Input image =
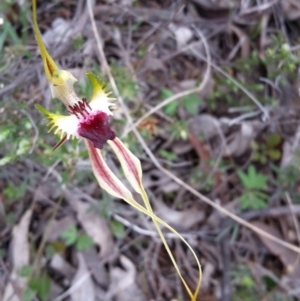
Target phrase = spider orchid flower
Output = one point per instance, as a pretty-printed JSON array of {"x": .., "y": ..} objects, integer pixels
[{"x": 90, "y": 120}]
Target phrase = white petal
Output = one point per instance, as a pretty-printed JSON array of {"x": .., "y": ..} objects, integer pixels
[
  {"x": 67, "y": 125},
  {"x": 101, "y": 103}
]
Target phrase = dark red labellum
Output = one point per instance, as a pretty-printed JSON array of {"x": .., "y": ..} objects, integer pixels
[{"x": 96, "y": 128}]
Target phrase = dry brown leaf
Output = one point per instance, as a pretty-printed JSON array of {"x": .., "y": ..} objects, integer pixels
[
  {"x": 208, "y": 271},
  {"x": 20, "y": 258},
  {"x": 287, "y": 154},
  {"x": 59, "y": 33},
  {"x": 123, "y": 286},
  {"x": 288, "y": 257},
  {"x": 183, "y": 34},
  {"x": 153, "y": 64},
  {"x": 215, "y": 4},
  {"x": 96, "y": 267},
  {"x": 241, "y": 140},
  {"x": 291, "y": 9},
  {"x": 60, "y": 264},
  {"x": 93, "y": 224},
  {"x": 82, "y": 284},
  {"x": 205, "y": 125},
  {"x": 59, "y": 226},
  {"x": 55, "y": 291},
  {"x": 290, "y": 148},
  {"x": 243, "y": 41},
  {"x": 208, "y": 127},
  {"x": 163, "y": 183},
  {"x": 181, "y": 220},
  {"x": 47, "y": 190}
]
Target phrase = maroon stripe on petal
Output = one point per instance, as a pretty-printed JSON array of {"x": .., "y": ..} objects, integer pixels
[
  {"x": 127, "y": 158},
  {"x": 101, "y": 169}
]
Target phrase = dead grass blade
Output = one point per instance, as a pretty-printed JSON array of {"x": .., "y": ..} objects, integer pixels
[
  {"x": 93, "y": 224},
  {"x": 20, "y": 258},
  {"x": 82, "y": 288}
]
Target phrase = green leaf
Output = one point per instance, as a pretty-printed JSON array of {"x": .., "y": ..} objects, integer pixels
[
  {"x": 117, "y": 229},
  {"x": 191, "y": 103},
  {"x": 166, "y": 93},
  {"x": 25, "y": 271},
  {"x": 273, "y": 140},
  {"x": 70, "y": 235},
  {"x": 84, "y": 242},
  {"x": 171, "y": 108},
  {"x": 253, "y": 179},
  {"x": 28, "y": 295},
  {"x": 247, "y": 281},
  {"x": 251, "y": 200},
  {"x": 274, "y": 154},
  {"x": 13, "y": 192},
  {"x": 41, "y": 286},
  {"x": 167, "y": 155}
]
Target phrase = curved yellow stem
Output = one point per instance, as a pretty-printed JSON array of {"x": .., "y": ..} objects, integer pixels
[{"x": 156, "y": 220}]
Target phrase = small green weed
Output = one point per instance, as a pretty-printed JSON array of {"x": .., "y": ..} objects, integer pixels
[
  {"x": 82, "y": 241},
  {"x": 78, "y": 42},
  {"x": 13, "y": 142},
  {"x": 38, "y": 286},
  {"x": 244, "y": 284},
  {"x": 245, "y": 288},
  {"x": 167, "y": 155},
  {"x": 13, "y": 192},
  {"x": 117, "y": 229},
  {"x": 279, "y": 59},
  {"x": 178, "y": 130},
  {"x": 190, "y": 103},
  {"x": 126, "y": 84},
  {"x": 253, "y": 182},
  {"x": 201, "y": 178},
  {"x": 268, "y": 150},
  {"x": 287, "y": 180},
  {"x": 41, "y": 286}
]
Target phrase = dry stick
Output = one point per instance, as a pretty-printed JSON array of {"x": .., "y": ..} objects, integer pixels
[
  {"x": 74, "y": 287},
  {"x": 168, "y": 173},
  {"x": 289, "y": 201},
  {"x": 287, "y": 195}
]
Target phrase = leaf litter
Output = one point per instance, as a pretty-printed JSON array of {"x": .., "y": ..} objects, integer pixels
[{"x": 212, "y": 139}]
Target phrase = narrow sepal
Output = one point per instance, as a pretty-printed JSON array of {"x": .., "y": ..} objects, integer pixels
[
  {"x": 132, "y": 169},
  {"x": 98, "y": 85},
  {"x": 105, "y": 177},
  {"x": 49, "y": 64},
  {"x": 131, "y": 165}
]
